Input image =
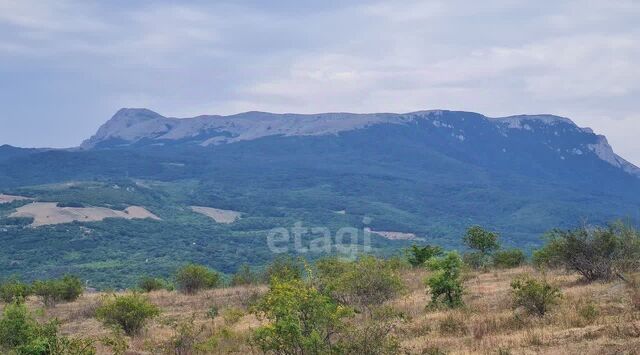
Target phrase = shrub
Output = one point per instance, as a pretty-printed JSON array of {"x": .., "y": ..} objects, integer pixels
[
  {"x": 508, "y": 258},
  {"x": 67, "y": 289},
  {"x": 244, "y": 276},
  {"x": 285, "y": 268},
  {"x": 446, "y": 285},
  {"x": 598, "y": 253},
  {"x": 372, "y": 336},
  {"x": 357, "y": 284},
  {"x": 535, "y": 296},
  {"x": 129, "y": 312},
  {"x": 192, "y": 278},
  {"x": 21, "y": 334},
  {"x": 14, "y": 290},
  {"x": 417, "y": 256},
  {"x": 301, "y": 319},
  {"x": 150, "y": 284}
]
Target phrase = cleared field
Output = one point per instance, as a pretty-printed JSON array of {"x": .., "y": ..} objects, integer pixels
[
  {"x": 218, "y": 215},
  {"x": 395, "y": 235},
  {"x": 10, "y": 198},
  {"x": 45, "y": 213}
]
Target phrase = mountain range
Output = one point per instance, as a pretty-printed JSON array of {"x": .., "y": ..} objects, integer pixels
[{"x": 423, "y": 176}]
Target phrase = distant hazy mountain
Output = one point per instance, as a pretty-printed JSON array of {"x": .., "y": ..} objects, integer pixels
[
  {"x": 428, "y": 174},
  {"x": 142, "y": 126}
]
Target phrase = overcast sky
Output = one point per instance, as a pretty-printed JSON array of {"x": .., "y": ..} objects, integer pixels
[{"x": 67, "y": 66}]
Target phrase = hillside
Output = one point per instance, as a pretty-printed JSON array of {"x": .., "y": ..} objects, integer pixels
[
  {"x": 591, "y": 319},
  {"x": 424, "y": 176}
]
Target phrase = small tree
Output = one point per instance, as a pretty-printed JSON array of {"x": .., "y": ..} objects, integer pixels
[
  {"x": 14, "y": 290},
  {"x": 130, "y": 312},
  {"x": 483, "y": 241},
  {"x": 535, "y": 296},
  {"x": 597, "y": 253},
  {"x": 192, "y": 278},
  {"x": 509, "y": 258},
  {"x": 445, "y": 284},
  {"x": 417, "y": 255},
  {"x": 301, "y": 319}
]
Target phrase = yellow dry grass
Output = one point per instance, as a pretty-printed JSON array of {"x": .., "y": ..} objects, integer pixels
[{"x": 597, "y": 318}]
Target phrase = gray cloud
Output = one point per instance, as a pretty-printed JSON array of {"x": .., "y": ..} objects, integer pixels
[{"x": 66, "y": 66}]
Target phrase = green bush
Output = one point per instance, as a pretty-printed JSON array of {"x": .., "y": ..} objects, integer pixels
[
  {"x": 192, "y": 278},
  {"x": 67, "y": 289},
  {"x": 149, "y": 284},
  {"x": 363, "y": 283},
  {"x": 417, "y": 256},
  {"x": 130, "y": 312},
  {"x": 21, "y": 334},
  {"x": 244, "y": 276},
  {"x": 14, "y": 290},
  {"x": 534, "y": 296},
  {"x": 285, "y": 268},
  {"x": 510, "y": 258},
  {"x": 301, "y": 320},
  {"x": 445, "y": 284}
]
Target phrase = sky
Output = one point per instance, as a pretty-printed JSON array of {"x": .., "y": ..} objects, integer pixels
[{"x": 67, "y": 66}]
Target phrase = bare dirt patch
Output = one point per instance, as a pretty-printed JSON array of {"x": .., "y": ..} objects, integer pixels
[
  {"x": 218, "y": 215},
  {"x": 45, "y": 213},
  {"x": 395, "y": 235},
  {"x": 10, "y": 198}
]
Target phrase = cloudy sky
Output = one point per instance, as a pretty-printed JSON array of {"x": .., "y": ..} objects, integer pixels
[{"x": 66, "y": 66}]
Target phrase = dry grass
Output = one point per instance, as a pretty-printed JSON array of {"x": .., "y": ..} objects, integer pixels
[{"x": 597, "y": 318}]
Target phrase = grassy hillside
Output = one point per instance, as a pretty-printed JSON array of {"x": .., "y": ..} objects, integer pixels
[{"x": 597, "y": 318}]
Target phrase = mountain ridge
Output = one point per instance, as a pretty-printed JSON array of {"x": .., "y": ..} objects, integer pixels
[{"x": 132, "y": 125}]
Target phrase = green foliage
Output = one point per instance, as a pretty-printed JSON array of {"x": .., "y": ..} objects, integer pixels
[
  {"x": 417, "y": 255},
  {"x": 149, "y": 284},
  {"x": 129, "y": 312},
  {"x": 285, "y": 268},
  {"x": 244, "y": 276},
  {"x": 597, "y": 253},
  {"x": 481, "y": 240},
  {"x": 67, "y": 289},
  {"x": 445, "y": 284},
  {"x": 510, "y": 258},
  {"x": 534, "y": 296},
  {"x": 21, "y": 334},
  {"x": 363, "y": 283},
  {"x": 301, "y": 320},
  {"x": 14, "y": 290},
  {"x": 192, "y": 278}
]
